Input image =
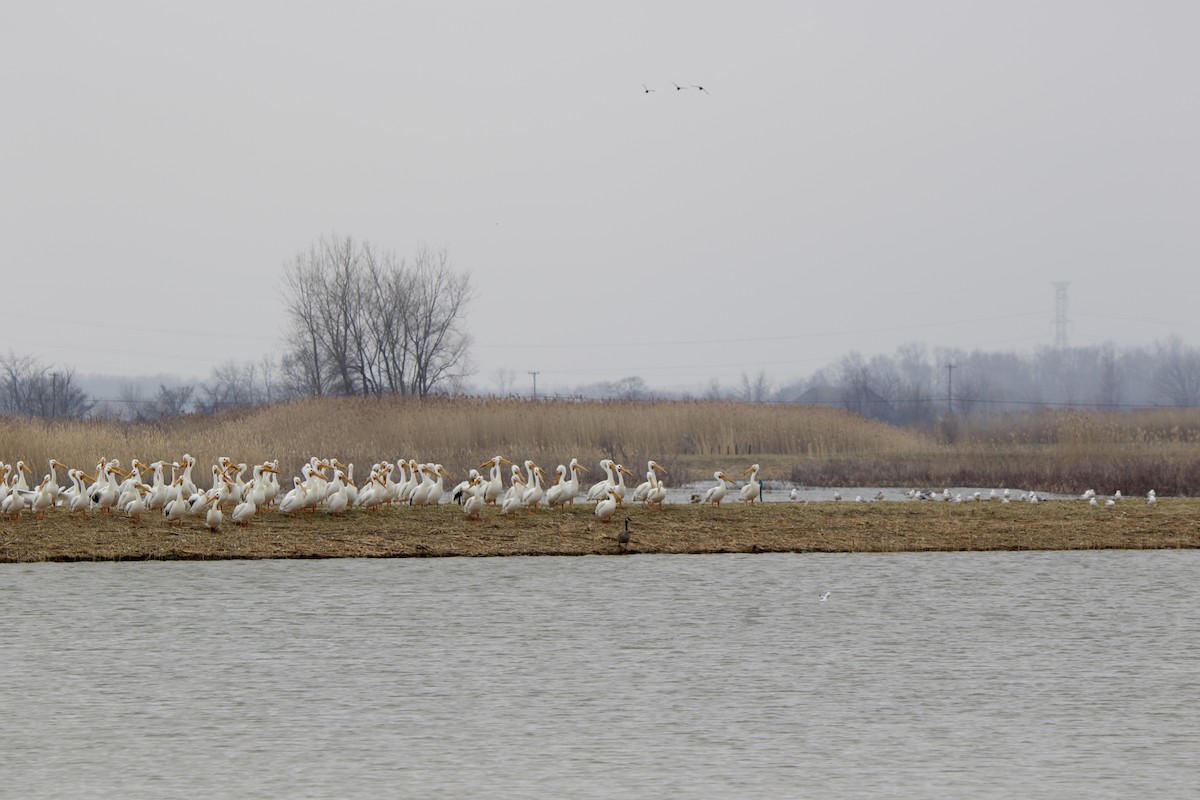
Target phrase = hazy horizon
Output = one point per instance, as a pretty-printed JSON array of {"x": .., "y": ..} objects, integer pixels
[{"x": 855, "y": 176}]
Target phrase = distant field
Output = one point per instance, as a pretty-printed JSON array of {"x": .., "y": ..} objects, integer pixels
[{"x": 1063, "y": 451}]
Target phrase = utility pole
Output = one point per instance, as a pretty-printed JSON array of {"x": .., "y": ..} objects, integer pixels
[
  {"x": 950, "y": 388},
  {"x": 534, "y": 373},
  {"x": 1060, "y": 314}
]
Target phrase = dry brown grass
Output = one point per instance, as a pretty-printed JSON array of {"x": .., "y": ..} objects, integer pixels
[
  {"x": 1062, "y": 451},
  {"x": 774, "y": 527},
  {"x": 462, "y": 433}
]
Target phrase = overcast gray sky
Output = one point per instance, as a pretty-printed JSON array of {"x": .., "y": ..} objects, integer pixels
[{"x": 858, "y": 175}]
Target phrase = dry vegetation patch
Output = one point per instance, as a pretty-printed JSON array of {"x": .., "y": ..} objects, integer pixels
[{"x": 775, "y": 527}]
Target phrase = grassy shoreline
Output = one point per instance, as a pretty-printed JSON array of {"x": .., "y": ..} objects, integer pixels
[{"x": 775, "y": 527}]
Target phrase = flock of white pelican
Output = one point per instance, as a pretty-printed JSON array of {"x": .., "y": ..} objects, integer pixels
[{"x": 238, "y": 492}]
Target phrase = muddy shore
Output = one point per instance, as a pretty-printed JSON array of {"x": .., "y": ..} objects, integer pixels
[{"x": 776, "y": 527}]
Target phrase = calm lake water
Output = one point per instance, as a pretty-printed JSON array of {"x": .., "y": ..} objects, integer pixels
[{"x": 923, "y": 675}]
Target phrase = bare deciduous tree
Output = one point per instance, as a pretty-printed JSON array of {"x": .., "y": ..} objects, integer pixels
[
  {"x": 364, "y": 323},
  {"x": 29, "y": 388}
]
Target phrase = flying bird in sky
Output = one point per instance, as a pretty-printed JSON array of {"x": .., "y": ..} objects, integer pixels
[
  {"x": 701, "y": 88},
  {"x": 648, "y": 89}
]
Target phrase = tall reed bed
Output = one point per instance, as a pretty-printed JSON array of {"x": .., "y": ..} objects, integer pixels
[
  {"x": 1062, "y": 451},
  {"x": 461, "y": 433}
]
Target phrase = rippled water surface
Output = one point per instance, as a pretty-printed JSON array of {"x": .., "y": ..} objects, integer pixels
[{"x": 923, "y": 675}]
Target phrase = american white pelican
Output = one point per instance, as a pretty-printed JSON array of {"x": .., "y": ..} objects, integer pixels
[
  {"x": 608, "y": 506},
  {"x": 52, "y": 487},
  {"x": 439, "y": 487},
  {"x": 40, "y": 499},
  {"x": 794, "y": 494},
  {"x": 106, "y": 496},
  {"x": 621, "y": 471},
  {"x": 245, "y": 510},
  {"x": 750, "y": 492},
  {"x": 421, "y": 492},
  {"x": 1151, "y": 497},
  {"x": 600, "y": 489},
  {"x": 515, "y": 493},
  {"x": 374, "y": 494},
  {"x": 19, "y": 482},
  {"x": 643, "y": 488},
  {"x": 13, "y": 505},
  {"x": 824, "y": 597},
  {"x": 214, "y": 517},
  {"x": 494, "y": 486},
  {"x": 474, "y": 503},
  {"x": 658, "y": 492},
  {"x": 351, "y": 488},
  {"x": 337, "y": 503},
  {"x": 717, "y": 493},
  {"x": 462, "y": 489},
  {"x": 77, "y": 499},
  {"x": 175, "y": 509},
  {"x": 136, "y": 507},
  {"x": 533, "y": 493},
  {"x": 294, "y": 501}
]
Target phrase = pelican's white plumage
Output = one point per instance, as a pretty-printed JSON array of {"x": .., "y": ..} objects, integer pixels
[
  {"x": 717, "y": 493},
  {"x": 608, "y": 506},
  {"x": 751, "y": 490}
]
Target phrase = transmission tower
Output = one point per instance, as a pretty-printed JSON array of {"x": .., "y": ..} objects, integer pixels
[{"x": 1060, "y": 313}]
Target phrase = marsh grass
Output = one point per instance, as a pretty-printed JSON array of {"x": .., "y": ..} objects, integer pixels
[{"x": 1061, "y": 451}]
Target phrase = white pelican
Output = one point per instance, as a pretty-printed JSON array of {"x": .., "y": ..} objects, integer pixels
[
  {"x": 106, "y": 497},
  {"x": 556, "y": 494},
  {"x": 657, "y": 493},
  {"x": 175, "y": 509},
  {"x": 516, "y": 492},
  {"x": 643, "y": 488},
  {"x": 374, "y": 494},
  {"x": 421, "y": 492},
  {"x": 462, "y": 490},
  {"x": 824, "y": 597},
  {"x": 566, "y": 484},
  {"x": 751, "y": 490},
  {"x": 188, "y": 485},
  {"x": 717, "y": 493},
  {"x": 1151, "y": 497},
  {"x": 337, "y": 503},
  {"x": 533, "y": 493},
  {"x": 473, "y": 505},
  {"x": 621, "y": 471},
  {"x": 52, "y": 487},
  {"x": 40, "y": 498},
  {"x": 136, "y": 507},
  {"x": 78, "y": 500},
  {"x": 214, "y": 517},
  {"x": 245, "y": 510},
  {"x": 494, "y": 486},
  {"x": 294, "y": 500},
  {"x": 351, "y": 489},
  {"x": 600, "y": 489},
  {"x": 14, "y": 503},
  {"x": 439, "y": 487},
  {"x": 608, "y": 506},
  {"x": 794, "y": 494},
  {"x": 19, "y": 483}
]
